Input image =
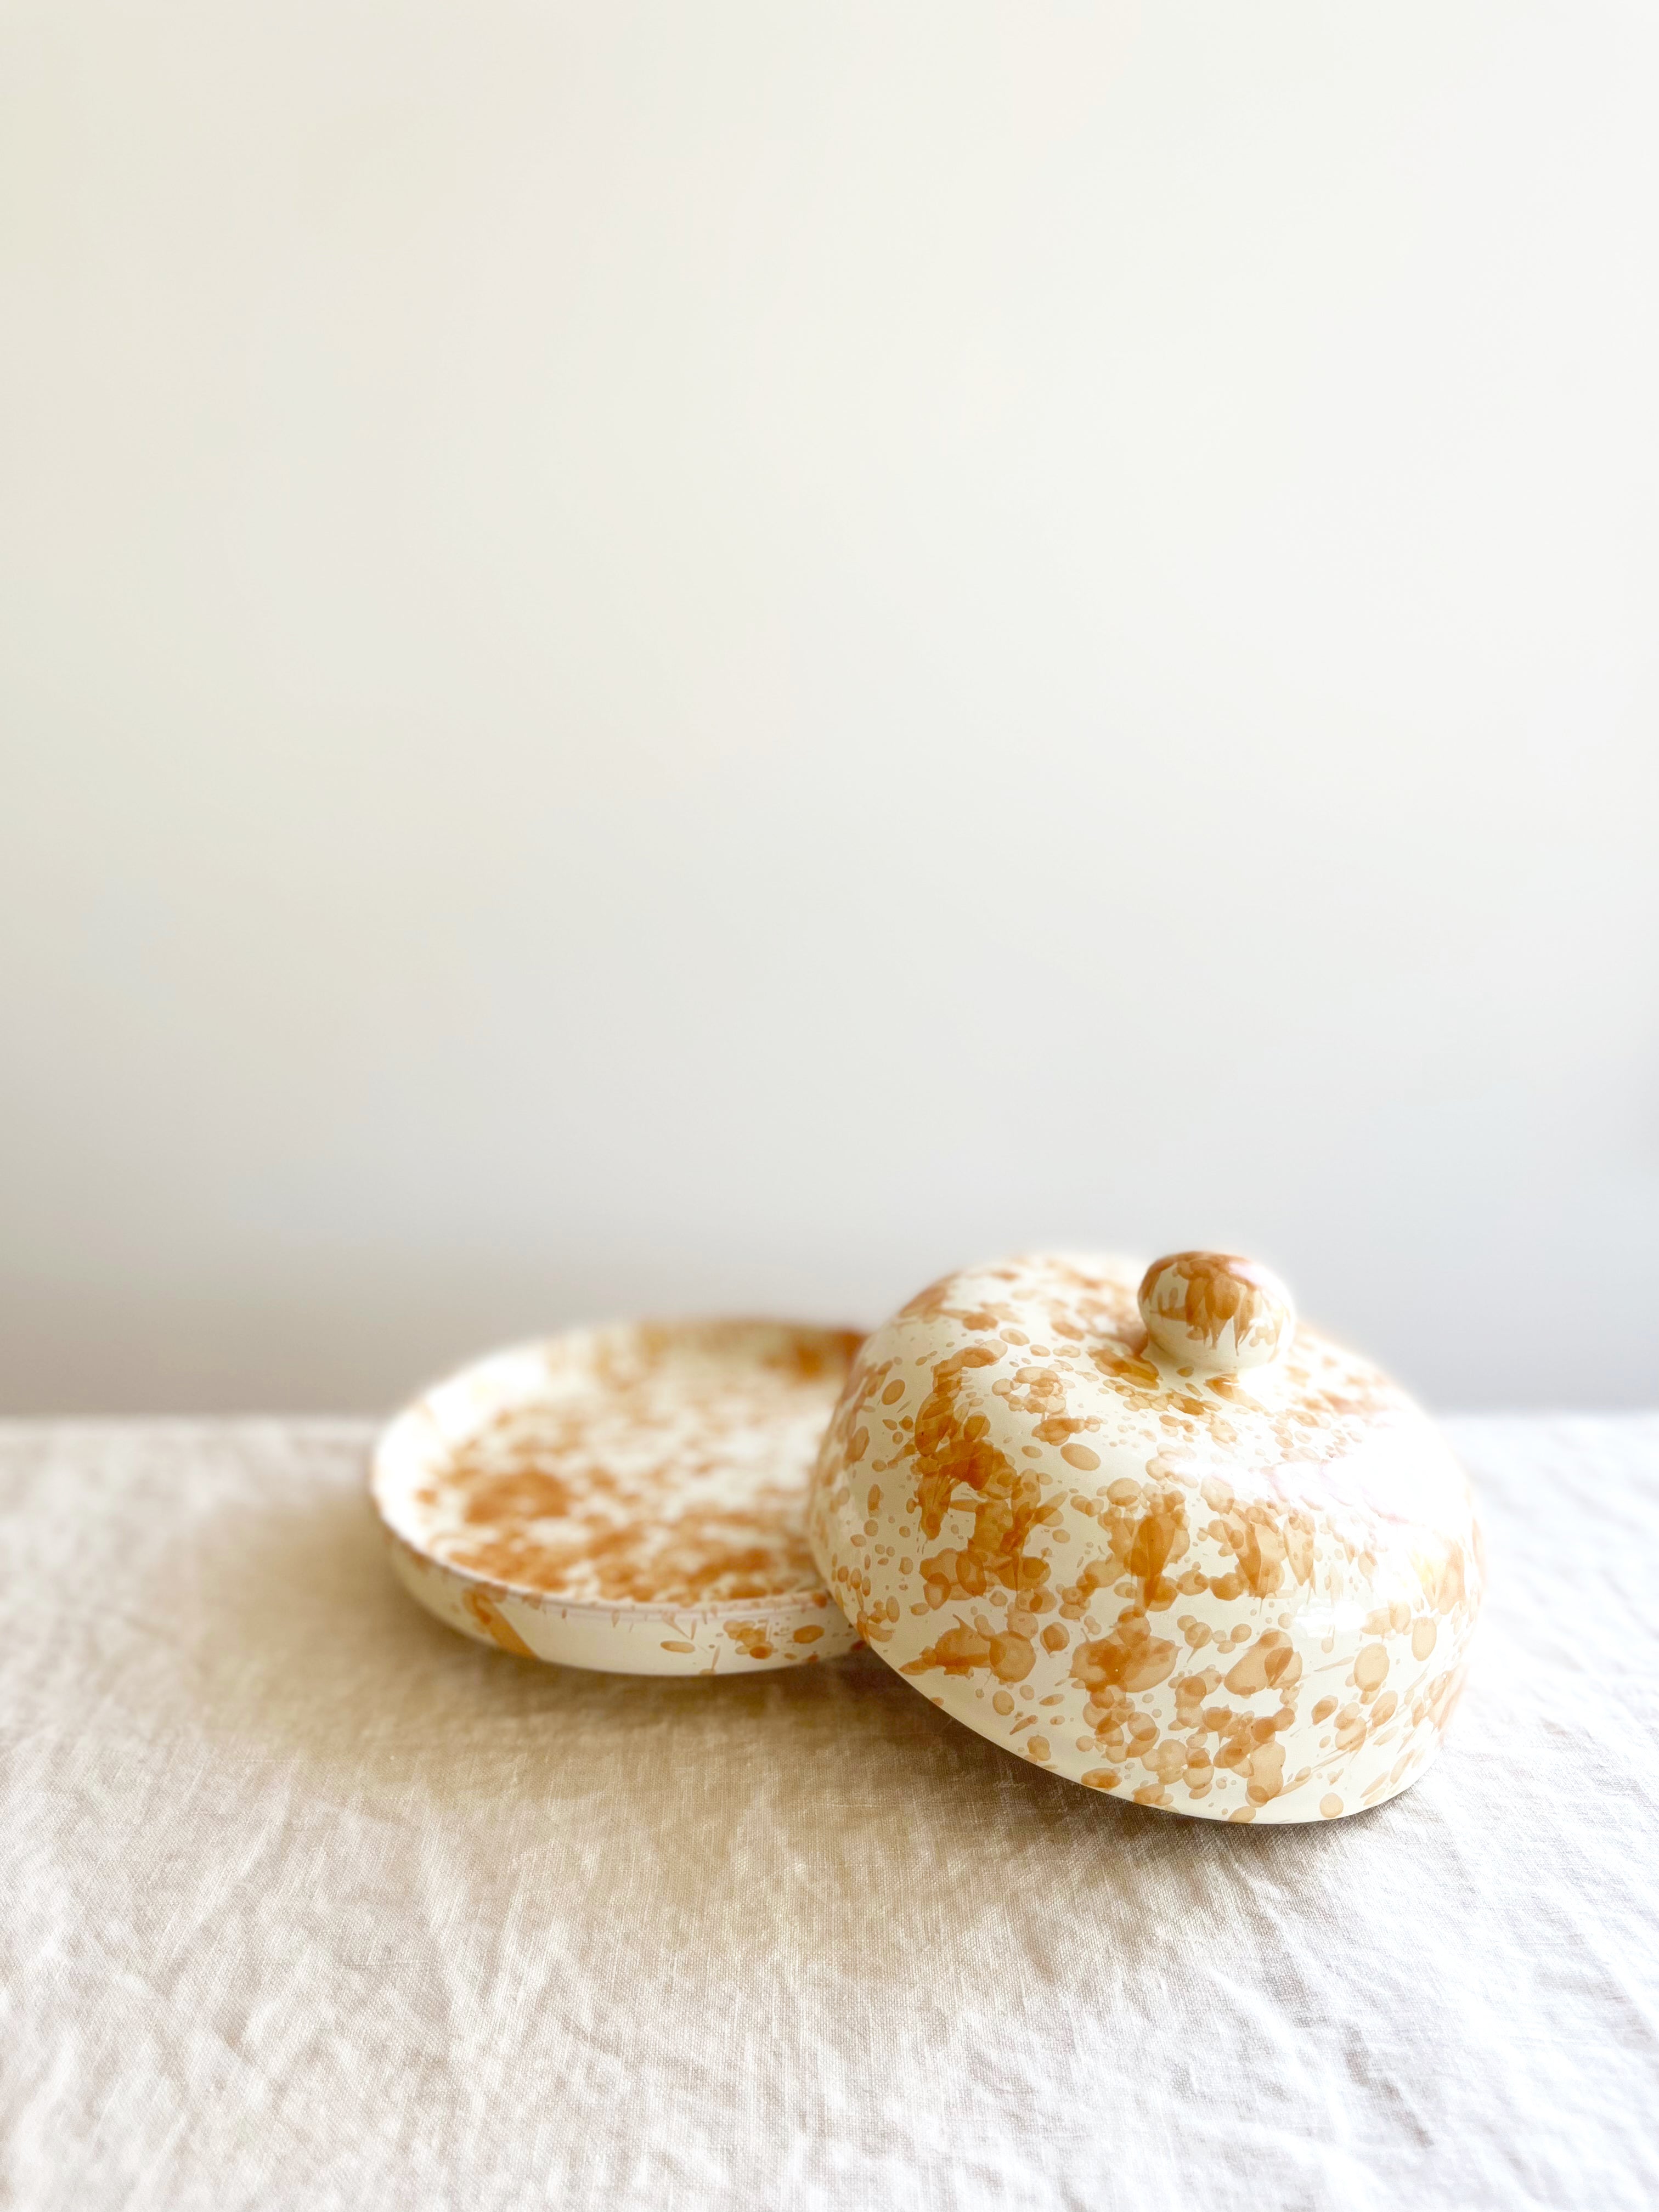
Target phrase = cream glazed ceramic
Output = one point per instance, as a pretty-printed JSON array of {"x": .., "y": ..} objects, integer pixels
[
  {"x": 630, "y": 1499},
  {"x": 1168, "y": 1543}
]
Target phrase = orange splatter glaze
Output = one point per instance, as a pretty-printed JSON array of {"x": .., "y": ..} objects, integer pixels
[
  {"x": 1206, "y": 1291},
  {"x": 663, "y": 1467},
  {"x": 1255, "y": 1600},
  {"x": 495, "y": 1625}
]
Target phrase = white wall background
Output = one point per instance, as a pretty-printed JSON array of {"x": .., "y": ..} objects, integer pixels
[{"x": 665, "y": 656}]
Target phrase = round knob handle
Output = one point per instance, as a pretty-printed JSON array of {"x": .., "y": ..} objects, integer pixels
[{"x": 1215, "y": 1311}]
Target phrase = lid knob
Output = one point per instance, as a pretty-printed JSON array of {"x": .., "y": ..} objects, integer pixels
[{"x": 1215, "y": 1311}]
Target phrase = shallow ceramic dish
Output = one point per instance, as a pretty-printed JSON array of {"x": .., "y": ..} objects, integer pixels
[
  {"x": 1168, "y": 1543},
  {"x": 629, "y": 1499}
]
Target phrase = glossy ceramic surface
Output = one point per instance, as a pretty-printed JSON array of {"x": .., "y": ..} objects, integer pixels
[
  {"x": 1163, "y": 1540},
  {"x": 629, "y": 1499}
]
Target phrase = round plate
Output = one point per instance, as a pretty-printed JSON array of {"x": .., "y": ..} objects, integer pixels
[{"x": 630, "y": 1499}]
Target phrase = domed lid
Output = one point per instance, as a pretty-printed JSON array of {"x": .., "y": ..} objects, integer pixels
[{"x": 1163, "y": 1540}]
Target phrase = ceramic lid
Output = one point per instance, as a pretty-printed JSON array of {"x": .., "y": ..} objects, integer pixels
[
  {"x": 630, "y": 1498},
  {"x": 1153, "y": 1535}
]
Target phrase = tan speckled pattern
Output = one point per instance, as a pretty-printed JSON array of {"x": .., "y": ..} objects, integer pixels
[
  {"x": 630, "y": 1498},
  {"x": 1244, "y": 1596}
]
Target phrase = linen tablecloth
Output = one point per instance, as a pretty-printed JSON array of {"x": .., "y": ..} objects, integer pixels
[{"x": 307, "y": 1901}]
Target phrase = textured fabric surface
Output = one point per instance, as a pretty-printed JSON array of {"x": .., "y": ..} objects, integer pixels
[{"x": 307, "y": 1901}]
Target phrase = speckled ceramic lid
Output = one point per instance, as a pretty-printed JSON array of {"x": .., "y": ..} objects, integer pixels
[
  {"x": 1158, "y": 1538},
  {"x": 630, "y": 1499}
]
